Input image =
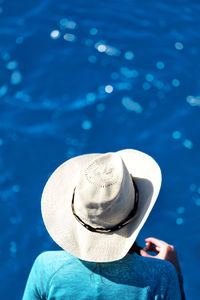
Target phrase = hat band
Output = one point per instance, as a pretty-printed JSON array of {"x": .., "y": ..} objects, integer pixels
[{"x": 120, "y": 225}]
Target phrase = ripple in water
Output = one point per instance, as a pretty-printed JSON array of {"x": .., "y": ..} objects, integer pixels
[
  {"x": 55, "y": 34},
  {"x": 131, "y": 105},
  {"x": 193, "y": 101},
  {"x": 16, "y": 77},
  {"x": 87, "y": 125}
]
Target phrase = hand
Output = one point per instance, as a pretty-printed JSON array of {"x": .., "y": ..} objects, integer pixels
[{"x": 164, "y": 251}]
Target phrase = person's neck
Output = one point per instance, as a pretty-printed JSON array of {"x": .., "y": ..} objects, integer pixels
[{"x": 135, "y": 249}]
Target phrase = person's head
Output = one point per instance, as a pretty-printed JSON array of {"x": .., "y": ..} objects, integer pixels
[{"x": 94, "y": 205}]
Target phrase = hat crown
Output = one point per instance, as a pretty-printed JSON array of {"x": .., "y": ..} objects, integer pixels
[
  {"x": 102, "y": 172},
  {"x": 105, "y": 193}
]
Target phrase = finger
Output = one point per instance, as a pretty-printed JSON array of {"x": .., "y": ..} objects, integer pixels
[
  {"x": 155, "y": 241},
  {"x": 152, "y": 249},
  {"x": 150, "y": 245},
  {"x": 144, "y": 253}
]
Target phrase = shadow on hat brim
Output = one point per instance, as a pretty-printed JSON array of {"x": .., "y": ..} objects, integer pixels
[
  {"x": 145, "y": 189},
  {"x": 70, "y": 235}
]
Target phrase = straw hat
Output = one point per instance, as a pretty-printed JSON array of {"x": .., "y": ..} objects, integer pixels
[{"x": 94, "y": 205}]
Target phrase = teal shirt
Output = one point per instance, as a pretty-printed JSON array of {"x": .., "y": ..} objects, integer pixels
[{"x": 57, "y": 275}]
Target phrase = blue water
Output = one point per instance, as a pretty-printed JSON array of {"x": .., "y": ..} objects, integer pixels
[{"x": 96, "y": 76}]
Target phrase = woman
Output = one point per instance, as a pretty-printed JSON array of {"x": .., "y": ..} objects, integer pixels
[{"x": 94, "y": 206}]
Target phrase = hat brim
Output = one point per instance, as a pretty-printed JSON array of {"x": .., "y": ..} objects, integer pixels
[{"x": 70, "y": 235}]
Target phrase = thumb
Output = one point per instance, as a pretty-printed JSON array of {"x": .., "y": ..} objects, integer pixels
[{"x": 144, "y": 253}]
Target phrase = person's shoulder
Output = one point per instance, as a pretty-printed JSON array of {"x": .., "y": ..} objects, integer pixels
[
  {"x": 52, "y": 259},
  {"x": 159, "y": 267},
  {"x": 53, "y": 254}
]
